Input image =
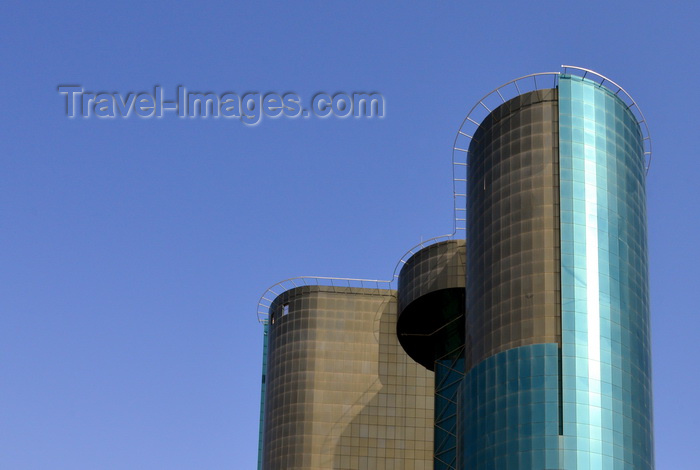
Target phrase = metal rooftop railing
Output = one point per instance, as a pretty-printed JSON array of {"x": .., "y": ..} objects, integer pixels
[
  {"x": 627, "y": 98},
  {"x": 460, "y": 152},
  {"x": 273, "y": 291}
]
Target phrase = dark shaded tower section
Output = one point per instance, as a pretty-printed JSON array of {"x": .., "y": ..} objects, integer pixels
[
  {"x": 511, "y": 402},
  {"x": 536, "y": 327},
  {"x": 431, "y": 302},
  {"x": 513, "y": 228},
  {"x": 340, "y": 392},
  {"x": 431, "y": 330}
]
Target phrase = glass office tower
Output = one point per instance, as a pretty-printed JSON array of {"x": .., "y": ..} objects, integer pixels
[
  {"x": 557, "y": 344},
  {"x": 522, "y": 345}
]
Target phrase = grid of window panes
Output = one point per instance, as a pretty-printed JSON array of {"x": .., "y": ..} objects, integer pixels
[
  {"x": 605, "y": 308},
  {"x": 513, "y": 228},
  {"x": 431, "y": 329},
  {"x": 436, "y": 267},
  {"x": 511, "y": 410},
  {"x": 341, "y": 393},
  {"x": 431, "y": 302}
]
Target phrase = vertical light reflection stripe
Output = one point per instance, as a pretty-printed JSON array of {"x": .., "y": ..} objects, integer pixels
[
  {"x": 593, "y": 302},
  {"x": 592, "y": 274},
  {"x": 606, "y": 392}
]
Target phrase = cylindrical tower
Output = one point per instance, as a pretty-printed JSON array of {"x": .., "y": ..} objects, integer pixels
[
  {"x": 557, "y": 345},
  {"x": 340, "y": 393},
  {"x": 430, "y": 328},
  {"x": 536, "y": 326}
]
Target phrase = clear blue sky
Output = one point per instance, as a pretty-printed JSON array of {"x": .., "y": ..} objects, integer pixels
[{"x": 133, "y": 251}]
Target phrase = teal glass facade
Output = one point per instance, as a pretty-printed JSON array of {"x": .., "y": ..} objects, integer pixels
[
  {"x": 606, "y": 371},
  {"x": 266, "y": 327},
  {"x": 511, "y": 410},
  {"x": 578, "y": 396},
  {"x": 536, "y": 326},
  {"x": 511, "y": 407}
]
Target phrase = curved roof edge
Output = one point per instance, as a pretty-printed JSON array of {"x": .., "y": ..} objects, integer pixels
[
  {"x": 279, "y": 288},
  {"x": 631, "y": 105},
  {"x": 272, "y": 292},
  {"x": 460, "y": 150},
  {"x": 507, "y": 91}
]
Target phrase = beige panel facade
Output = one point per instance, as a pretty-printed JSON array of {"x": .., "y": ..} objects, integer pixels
[{"x": 341, "y": 393}]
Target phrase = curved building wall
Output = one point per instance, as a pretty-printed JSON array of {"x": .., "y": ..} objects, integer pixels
[
  {"x": 340, "y": 391},
  {"x": 431, "y": 302},
  {"x": 436, "y": 267},
  {"x": 431, "y": 329},
  {"x": 557, "y": 326},
  {"x": 511, "y": 390},
  {"x": 607, "y": 414},
  {"x": 513, "y": 228}
]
